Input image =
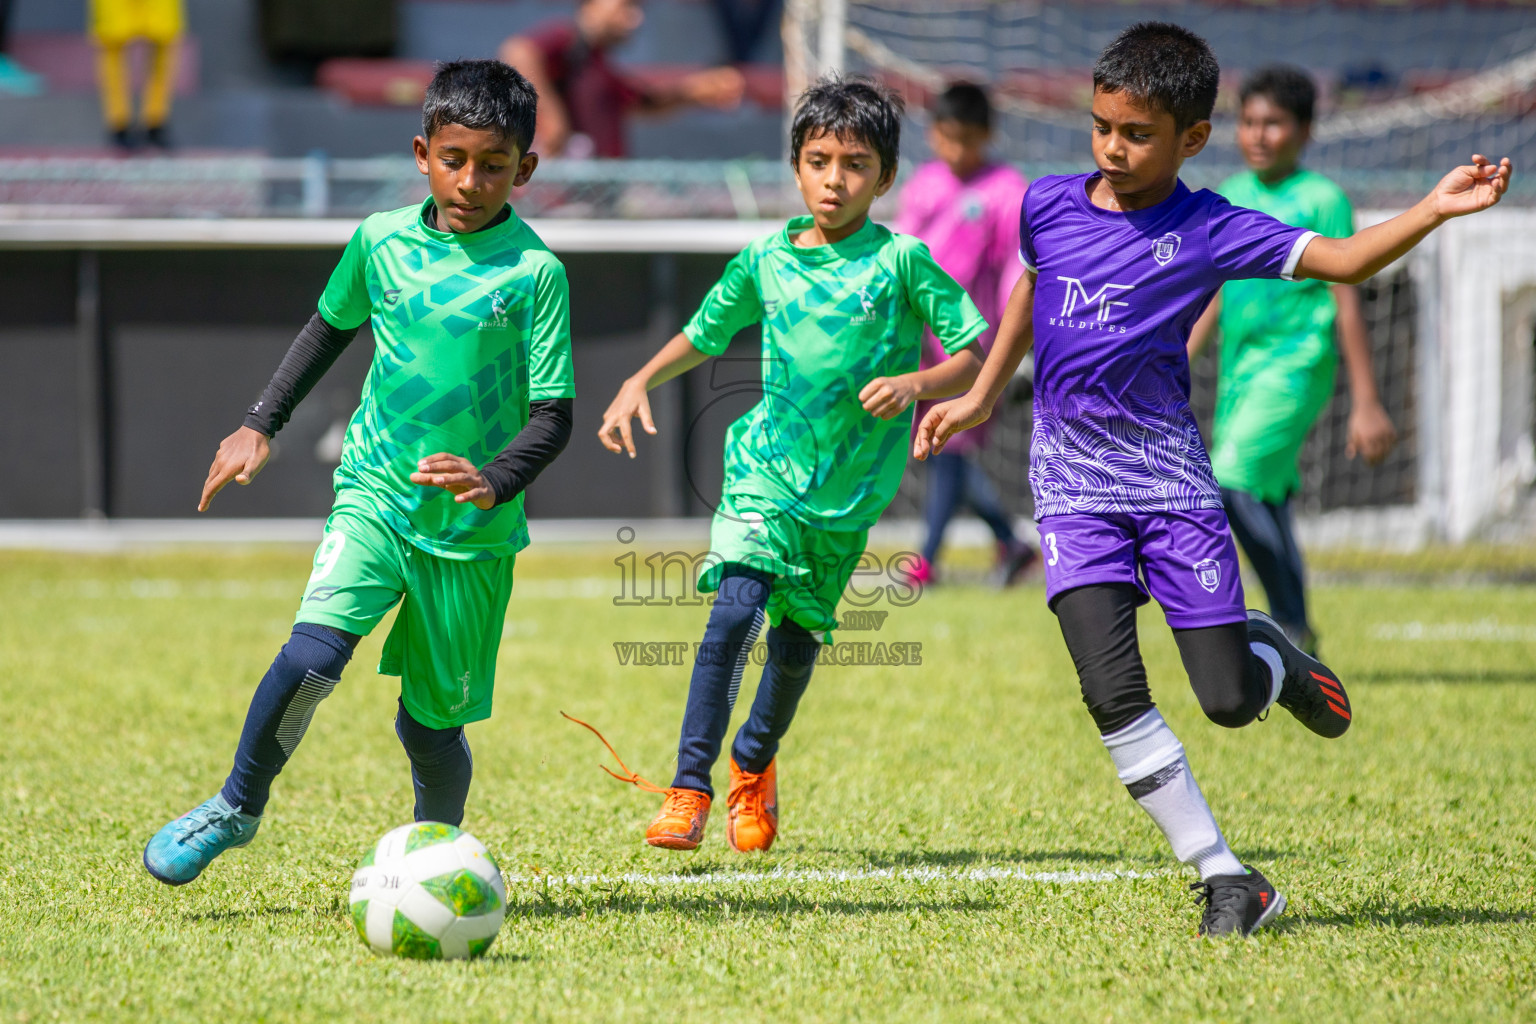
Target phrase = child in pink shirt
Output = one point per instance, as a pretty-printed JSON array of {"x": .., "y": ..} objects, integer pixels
[{"x": 967, "y": 210}]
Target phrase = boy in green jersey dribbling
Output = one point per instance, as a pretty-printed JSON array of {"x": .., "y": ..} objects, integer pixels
[
  {"x": 1278, "y": 355},
  {"x": 842, "y": 303},
  {"x": 467, "y": 400}
]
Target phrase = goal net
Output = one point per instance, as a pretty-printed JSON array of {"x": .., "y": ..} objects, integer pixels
[{"x": 1405, "y": 92}]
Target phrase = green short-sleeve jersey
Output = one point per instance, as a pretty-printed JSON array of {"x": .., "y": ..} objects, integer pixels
[
  {"x": 468, "y": 329},
  {"x": 1278, "y": 356},
  {"x": 833, "y": 317},
  {"x": 1263, "y": 319}
]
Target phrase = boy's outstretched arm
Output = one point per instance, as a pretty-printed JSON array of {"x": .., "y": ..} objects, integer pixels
[
  {"x": 1467, "y": 189},
  {"x": 242, "y": 454},
  {"x": 1015, "y": 336},
  {"x": 886, "y": 397},
  {"x": 676, "y": 357}
]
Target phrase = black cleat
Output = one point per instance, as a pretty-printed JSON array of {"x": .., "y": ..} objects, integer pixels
[
  {"x": 1237, "y": 904},
  {"x": 1311, "y": 691},
  {"x": 1013, "y": 562}
]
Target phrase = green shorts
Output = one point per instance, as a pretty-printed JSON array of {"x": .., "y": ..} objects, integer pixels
[
  {"x": 444, "y": 641},
  {"x": 1262, "y": 422},
  {"x": 811, "y": 566}
]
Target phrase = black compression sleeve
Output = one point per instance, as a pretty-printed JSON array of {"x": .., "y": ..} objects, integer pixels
[
  {"x": 534, "y": 447},
  {"x": 310, "y": 355}
]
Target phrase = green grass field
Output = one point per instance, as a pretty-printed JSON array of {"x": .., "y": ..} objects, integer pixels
[{"x": 916, "y": 801}]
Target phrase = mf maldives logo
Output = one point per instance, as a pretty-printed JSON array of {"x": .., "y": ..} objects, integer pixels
[
  {"x": 867, "y": 301},
  {"x": 1165, "y": 249},
  {"x": 1097, "y": 307},
  {"x": 498, "y": 313},
  {"x": 1208, "y": 572}
]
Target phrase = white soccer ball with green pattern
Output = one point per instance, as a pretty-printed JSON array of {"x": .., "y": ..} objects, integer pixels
[{"x": 428, "y": 891}]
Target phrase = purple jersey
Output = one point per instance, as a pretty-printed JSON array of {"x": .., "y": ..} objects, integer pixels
[{"x": 1115, "y": 297}]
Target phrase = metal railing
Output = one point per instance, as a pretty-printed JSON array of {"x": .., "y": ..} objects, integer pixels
[{"x": 317, "y": 186}]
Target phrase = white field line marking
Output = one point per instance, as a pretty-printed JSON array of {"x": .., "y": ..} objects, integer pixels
[
  {"x": 1486, "y": 630},
  {"x": 831, "y": 875}
]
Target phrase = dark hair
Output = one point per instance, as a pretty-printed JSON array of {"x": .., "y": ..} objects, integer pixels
[
  {"x": 1290, "y": 88},
  {"x": 1165, "y": 65},
  {"x": 853, "y": 109},
  {"x": 482, "y": 94},
  {"x": 964, "y": 103}
]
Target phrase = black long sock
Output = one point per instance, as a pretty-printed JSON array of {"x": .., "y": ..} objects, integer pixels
[
  {"x": 792, "y": 654},
  {"x": 303, "y": 674},
  {"x": 735, "y": 622},
  {"x": 441, "y": 768}
]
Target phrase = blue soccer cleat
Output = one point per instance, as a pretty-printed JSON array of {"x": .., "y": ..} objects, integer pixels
[{"x": 181, "y": 850}]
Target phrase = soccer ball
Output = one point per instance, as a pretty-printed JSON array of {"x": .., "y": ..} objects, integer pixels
[{"x": 428, "y": 891}]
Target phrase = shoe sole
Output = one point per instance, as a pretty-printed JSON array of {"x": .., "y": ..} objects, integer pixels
[
  {"x": 672, "y": 842},
  {"x": 1274, "y": 910}
]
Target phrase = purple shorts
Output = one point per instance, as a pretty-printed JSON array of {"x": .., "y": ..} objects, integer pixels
[{"x": 1184, "y": 559}]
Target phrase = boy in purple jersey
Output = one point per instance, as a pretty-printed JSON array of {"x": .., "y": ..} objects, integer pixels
[{"x": 1118, "y": 265}]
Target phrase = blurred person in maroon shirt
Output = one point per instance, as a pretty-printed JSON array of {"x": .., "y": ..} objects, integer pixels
[{"x": 583, "y": 99}]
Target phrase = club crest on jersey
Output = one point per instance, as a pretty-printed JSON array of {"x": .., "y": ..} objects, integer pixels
[
  {"x": 498, "y": 313},
  {"x": 1208, "y": 572},
  {"x": 867, "y": 302},
  {"x": 1165, "y": 249}
]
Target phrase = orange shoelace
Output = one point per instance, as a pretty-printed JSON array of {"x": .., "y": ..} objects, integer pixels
[
  {"x": 685, "y": 803},
  {"x": 630, "y": 777},
  {"x": 748, "y": 795}
]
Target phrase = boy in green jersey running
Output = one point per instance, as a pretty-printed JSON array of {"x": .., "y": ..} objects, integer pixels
[
  {"x": 467, "y": 400},
  {"x": 842, "y": 303},
  {"x": 1277, "y": 347}
]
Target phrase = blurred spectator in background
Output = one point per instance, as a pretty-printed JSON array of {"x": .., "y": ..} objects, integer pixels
[
  {"x": 115, "y": 24},
  {"x": 583, "y": 100},
  {"x": 15, "y": 80},
  {"x": 966, "y": 208},
  {"x": 744, "y": 23}
]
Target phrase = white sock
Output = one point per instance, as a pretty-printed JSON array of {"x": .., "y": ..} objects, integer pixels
[
  {"x": 1271, "y": 657},
  {"x": 1150, "y": 761}
]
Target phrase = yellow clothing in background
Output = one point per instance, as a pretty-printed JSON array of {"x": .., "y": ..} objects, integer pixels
[{"x": 114, "y": 22}]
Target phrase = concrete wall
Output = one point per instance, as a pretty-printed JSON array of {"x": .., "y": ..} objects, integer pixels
[{"x": 187, "y": 340}]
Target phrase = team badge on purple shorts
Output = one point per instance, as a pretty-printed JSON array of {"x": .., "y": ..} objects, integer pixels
[{"x": 1184, "y": 559}]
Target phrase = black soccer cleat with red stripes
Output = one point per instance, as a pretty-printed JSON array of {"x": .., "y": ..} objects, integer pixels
[
  {"x": 1237, "y": 904},
  {"x": 1311, "y": 692}
]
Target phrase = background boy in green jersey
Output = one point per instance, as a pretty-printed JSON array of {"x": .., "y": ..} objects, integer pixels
[
  {"x": 1277, "y": 347},
  {"x": 467, "y": 400},
  {"x": 842, "y": 303}
]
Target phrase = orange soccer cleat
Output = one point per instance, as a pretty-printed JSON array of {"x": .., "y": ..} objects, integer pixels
[
  {"x": 680, "y": 823},
  {"x": 753, "y": 806}
]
